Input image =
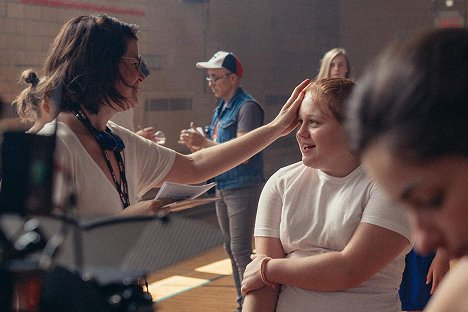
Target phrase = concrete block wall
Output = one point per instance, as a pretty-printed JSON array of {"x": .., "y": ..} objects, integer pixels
[{"x": 367, "y": 26}]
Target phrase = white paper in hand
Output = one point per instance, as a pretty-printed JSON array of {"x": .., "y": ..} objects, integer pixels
[{"x": 180, "y": 192}]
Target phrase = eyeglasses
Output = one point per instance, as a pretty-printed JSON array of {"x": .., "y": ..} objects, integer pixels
[
  {"x": 213, "y": 79},
  {"x": 138, "y": 61}
]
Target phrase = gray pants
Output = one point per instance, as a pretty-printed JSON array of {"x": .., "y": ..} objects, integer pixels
[{"x": 236, "y": 212}]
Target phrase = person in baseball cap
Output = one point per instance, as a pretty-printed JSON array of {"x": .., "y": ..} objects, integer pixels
[
  {"x": 222, "y": 59},
  {"x": 237, "y": 113}
]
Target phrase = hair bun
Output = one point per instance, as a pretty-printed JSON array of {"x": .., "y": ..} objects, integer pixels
[{"x": 29, "y": 76}]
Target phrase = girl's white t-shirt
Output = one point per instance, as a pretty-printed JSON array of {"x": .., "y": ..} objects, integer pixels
[{"x": 313, "y": 213}]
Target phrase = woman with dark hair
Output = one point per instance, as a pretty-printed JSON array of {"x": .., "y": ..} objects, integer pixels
[
  {"x": 94, "y": 70},
  {"x": 94, "y": 62},
  {"x": 408, "y": 120}
]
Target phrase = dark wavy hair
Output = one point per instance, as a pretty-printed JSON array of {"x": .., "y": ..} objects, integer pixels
[
  {"x": 83, "y": 62},
  {"x": 415, "y": 98}
]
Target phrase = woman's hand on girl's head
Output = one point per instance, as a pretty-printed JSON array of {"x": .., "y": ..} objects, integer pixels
[
  {"x": 252, "y": 275},
  {"x": 287, "y": 117}
]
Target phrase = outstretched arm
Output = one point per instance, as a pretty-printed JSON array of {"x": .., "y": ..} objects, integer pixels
[
  {"x": 210, "y": 162},
  {"x": 370, "y": 249}
]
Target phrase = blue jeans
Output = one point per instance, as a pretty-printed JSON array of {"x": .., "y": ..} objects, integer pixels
[{"x": 236, "y": 212}]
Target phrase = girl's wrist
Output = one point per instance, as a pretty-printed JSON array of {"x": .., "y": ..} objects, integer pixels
[{"x": 263, "y": 272}]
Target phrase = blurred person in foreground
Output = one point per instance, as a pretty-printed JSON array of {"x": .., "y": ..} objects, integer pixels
[{"x": 408, "y": 119}]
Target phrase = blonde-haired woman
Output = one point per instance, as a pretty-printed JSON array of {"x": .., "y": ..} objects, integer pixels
[{"x": 334, "y": 64}]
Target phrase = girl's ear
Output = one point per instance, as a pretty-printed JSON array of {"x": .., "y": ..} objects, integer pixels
[{"x": 45, "y": 106}]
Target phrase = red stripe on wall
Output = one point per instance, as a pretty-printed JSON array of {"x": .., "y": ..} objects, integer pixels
[{"x": 86, "y": 6}]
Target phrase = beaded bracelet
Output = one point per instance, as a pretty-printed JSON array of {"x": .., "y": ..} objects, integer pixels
[{"x": 263, "y": 272}]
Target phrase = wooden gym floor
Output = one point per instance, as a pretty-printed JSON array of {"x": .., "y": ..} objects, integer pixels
[{"x": 202, "y": 283}]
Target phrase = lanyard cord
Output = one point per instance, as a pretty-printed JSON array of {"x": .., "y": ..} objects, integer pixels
[{"x": 122, "y": 189}]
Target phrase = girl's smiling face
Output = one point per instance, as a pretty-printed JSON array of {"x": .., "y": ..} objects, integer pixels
[{"x": 321, "y": 137}]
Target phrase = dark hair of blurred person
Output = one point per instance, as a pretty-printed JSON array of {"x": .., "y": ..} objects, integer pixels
[{"x": 408, "y": 120}]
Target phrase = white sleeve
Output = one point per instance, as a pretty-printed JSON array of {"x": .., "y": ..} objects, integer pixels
[
  {"x": 382, "y": 211},
  {"x": 64, "y": 177},
  {"x": 154, "y": 163},
  {"x": 146, "y": 160},
  {"x": 270, "y": 205}
]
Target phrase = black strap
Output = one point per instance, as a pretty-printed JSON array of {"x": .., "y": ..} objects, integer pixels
[{"x": 122, "y": 188}]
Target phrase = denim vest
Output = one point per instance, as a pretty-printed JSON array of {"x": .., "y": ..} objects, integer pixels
[{"x": 244, "y": 174}]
